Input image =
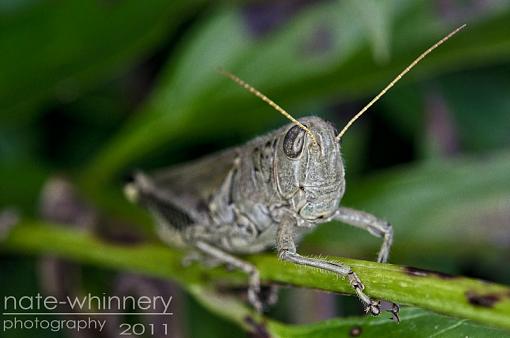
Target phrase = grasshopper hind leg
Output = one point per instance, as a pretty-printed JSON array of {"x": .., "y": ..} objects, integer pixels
[
  {"x": 254, "y": 289},
  {"x": 204, "y": 259}
]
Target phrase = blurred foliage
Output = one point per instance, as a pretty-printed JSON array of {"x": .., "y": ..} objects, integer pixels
[
  {"x": 415, "y": 323},
  {"x": 91, "y": 90}
]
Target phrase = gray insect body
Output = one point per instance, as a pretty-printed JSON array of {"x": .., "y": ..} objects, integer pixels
[
  {"x": 266, "y": 193},
  {"x": 281, "y": 173},
  {"x": 250, "y": 188}
]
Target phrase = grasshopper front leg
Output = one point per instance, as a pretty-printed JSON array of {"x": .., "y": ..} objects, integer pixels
[
  {"x": 376, "y": 227},
  {"x": 287, "y": 251},
  {"x": 370, "y": 223}
]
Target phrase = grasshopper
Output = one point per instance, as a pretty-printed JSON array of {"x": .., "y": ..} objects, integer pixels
[{"x": 266, "y": 193}]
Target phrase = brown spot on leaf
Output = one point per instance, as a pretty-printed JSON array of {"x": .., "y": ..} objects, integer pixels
[
  {"x": 416, "y": 272},
  {"x": 411, "y": 271},
  {"x": 488, "y": 300},
  {"x": 355, "y": 331}
]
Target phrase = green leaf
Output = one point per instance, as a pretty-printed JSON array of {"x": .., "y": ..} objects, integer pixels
[
  {"x": 192, "y": 99},
  {"x": 414, "y": 323},
  {"x": 492, "y": 102},
  {"x": 61, "y": 49},
  {"x": 376, "y": 17}
]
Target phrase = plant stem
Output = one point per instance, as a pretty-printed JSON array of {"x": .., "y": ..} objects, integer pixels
[{"x": 456, "y": 296}]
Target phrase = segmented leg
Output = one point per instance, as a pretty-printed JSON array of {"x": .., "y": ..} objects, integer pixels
[
  {"x": 269, "y": 295},
  {"x": 254, "y": 281},
  {"x": 372, "y": 224},
  {"x": 199, "y": 257},
  {"x": 378, "y": 228},
  {"x": 287, "y": 251}
]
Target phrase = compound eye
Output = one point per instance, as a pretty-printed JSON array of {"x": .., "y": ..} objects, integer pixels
[{"x": 293, "y": 142}]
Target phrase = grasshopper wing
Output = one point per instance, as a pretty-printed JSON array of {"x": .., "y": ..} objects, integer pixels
[
  {"x": 181, "y": 194},
  {"x": 197, "y": 180}
]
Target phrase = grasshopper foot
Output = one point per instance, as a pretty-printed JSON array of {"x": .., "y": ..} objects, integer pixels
[
  {"x": 374, "y": 308},
  {"x": 261, "y": 297},
  {"x": 371, "y": 306},
  {"x": 269, "y": 295},
  {"x": 392, "y": 308},
  {"x": 254, "y": 292}
]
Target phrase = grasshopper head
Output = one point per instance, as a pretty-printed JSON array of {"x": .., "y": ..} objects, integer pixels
[
  {"x": 310, "y": 175},
  {"x": 308, "y": 165}
]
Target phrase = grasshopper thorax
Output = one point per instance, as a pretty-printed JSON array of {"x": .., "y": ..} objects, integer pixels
[{"x": 310, "y": 175}]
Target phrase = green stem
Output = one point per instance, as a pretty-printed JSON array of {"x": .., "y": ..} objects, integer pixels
[{"x": 456, "y": 296}]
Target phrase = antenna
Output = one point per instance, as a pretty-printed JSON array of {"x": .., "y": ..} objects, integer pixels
[
  {"x": 396, "y": 79},
  {"x": 268, "y": 101}
]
